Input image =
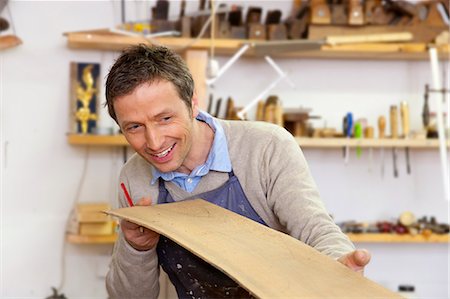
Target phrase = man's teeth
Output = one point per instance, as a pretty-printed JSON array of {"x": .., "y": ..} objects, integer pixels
[{"x": 164, "y": 153}]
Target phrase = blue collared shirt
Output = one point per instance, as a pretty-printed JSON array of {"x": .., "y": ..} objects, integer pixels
[{"x": 218, "y": 159}]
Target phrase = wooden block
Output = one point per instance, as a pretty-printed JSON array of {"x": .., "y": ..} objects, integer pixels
[
  {"x": 355, "y": 13},
  {"x": 92, "y": 207},
  {"x": 421, "y": 34},
  {"x": 224, "y": 30},
  {"x": 268, "y": 263},
  {"x": 298, "y": 27},
  {"x": 369, "y": 38},
  {"x": 277, "y": 32},
  {"x": 96, "y": 229},
  {"x": 238, "y": 32},
  {"x": 256, "y": 31},
  {"x": 253, "y": 15},
  {"x": 92, "y": 217},
  {"x": 338, "y": 14},
  {"x": 186, "y": 26},
  {"x": 320, "y": 12}
]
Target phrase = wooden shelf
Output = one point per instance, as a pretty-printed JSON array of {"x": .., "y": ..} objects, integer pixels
[
  {"x": 9, "y": 41},
  {"x": 97, "y": 140},
  {"x": 77, "y": 239},
  {"x": 103, "y": 39},
  {"x": 368, "y": 143},
  {"x": 395, "y": 238},
  {"x": 357, "y": 238},
  {"x": 119, "y": 140}
]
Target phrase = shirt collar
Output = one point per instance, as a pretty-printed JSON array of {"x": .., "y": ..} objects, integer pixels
[{"x": 218, "y": 157}]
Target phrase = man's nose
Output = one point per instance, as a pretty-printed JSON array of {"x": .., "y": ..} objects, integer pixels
[{"x": 154, "y": 140}]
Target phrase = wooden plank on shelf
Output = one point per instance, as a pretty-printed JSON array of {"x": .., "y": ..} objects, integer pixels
[
  {"x": 78, "y": 239},
  {"x": 395, "y": 238},
  {"x": 378, "y": 47},
  {"x": 104, "y": 40},
  {"x": 266, "y": 262},
  {"x": 421, "y": 34},
  {"x": 97, "y": 140}
]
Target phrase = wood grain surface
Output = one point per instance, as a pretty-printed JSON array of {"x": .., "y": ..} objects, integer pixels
[{"x": 267, "y": 263}]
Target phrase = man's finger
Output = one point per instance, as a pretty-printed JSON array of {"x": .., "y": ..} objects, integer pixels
[
  {"x": 361, "y": 257},
  {"x": 356, "y": 260},
  {"x": 145, "y": 201}
]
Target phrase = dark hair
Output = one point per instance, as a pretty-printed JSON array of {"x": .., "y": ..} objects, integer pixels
[{"x": 146, "y": 64}]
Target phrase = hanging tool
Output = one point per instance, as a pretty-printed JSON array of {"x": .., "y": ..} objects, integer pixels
[
  {"x": 358, "y": 134},
  {"x": 426, "y": 109},
  {"x": 347, "y": 126},
  {"x": 368, "y": 134},
  {"x": 381, "y": 135},
  {"x": 210, "y": 101},
  {"x": 404, "y": 113},
  {"x": 394, "y": 135}
]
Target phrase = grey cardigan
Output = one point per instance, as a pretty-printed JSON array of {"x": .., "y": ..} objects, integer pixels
[{"x": 276, "y": 180}]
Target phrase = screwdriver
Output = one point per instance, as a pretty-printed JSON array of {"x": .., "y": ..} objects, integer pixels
[
  {"x": 381, "y": 135},
  {"x": 368, "y": 133},
  {"x": 394, "y": 135},
  {"x": 358, "y": 134},
  {"x": 347, "y": 126},
  {"x": 404, "y": 113}
]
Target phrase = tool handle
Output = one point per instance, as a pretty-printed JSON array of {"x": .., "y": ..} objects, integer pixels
[
  {"x": 404, "y": 113},
  {"x": 394, "y": 121},
  {"x": 381, "y": 126},
  {"x": 349, "y": 120}
]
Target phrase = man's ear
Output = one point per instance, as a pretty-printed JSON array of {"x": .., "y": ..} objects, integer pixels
[{"x": 195, "y": 109}]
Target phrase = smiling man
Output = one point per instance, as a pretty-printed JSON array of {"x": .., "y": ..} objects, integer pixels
[{"x": 252, "y": 168}]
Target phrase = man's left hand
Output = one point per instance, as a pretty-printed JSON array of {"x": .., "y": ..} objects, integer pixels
[{"x": 356, "y": 260}]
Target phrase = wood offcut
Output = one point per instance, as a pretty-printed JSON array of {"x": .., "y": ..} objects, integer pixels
[{"x": 267, "y": 263}]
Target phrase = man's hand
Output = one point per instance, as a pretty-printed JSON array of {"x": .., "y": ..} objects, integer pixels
[
  {"x": 356, "y": 260},
  {"x": 138, "y": 237}
]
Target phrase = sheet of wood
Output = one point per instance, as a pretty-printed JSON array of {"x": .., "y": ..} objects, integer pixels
[{"x": 267, "y": 263}]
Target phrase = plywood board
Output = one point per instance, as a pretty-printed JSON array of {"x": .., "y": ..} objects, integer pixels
[{"x": 267, "y": 263}]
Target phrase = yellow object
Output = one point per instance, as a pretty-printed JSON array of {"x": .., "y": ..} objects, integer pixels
[
  {"x": 88, "y": 219},
  {"x": 85, "y": 96},
  {"x": 97, "y": 229}
]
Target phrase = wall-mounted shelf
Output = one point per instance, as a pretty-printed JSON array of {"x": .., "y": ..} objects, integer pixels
[
  {"x": 78, "y": 239},
  {"x": 357, "y": 238},
  {"x": 119, "y": 140},
  {"x": 9, "y": 41},
  {"x": 97, "y": 140},
  {"x": 103, "y": 39},
  {"x": 395, "y": 238},
  {"x": 368, "y": 143}
]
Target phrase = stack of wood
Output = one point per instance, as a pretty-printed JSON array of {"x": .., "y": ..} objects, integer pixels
[
  {"x": 425, "y": 20},
  {"x": 271, "y": 111},
  {"x": 88, "y": 219},
  {"x": 311, "y": 19}
]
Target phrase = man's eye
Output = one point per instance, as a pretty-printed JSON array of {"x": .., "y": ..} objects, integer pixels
[
  {"x": 132, "y": 127},
  {"x": 166, "y": 119}
]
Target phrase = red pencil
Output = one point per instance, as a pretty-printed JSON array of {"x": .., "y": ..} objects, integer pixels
[{"x": 127, "y": 195}]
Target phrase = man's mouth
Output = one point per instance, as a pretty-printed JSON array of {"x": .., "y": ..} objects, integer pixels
[{"x": 164, "y": 153}]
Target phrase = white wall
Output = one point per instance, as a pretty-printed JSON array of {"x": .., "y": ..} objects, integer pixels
[{"x": 41, "y": 173}]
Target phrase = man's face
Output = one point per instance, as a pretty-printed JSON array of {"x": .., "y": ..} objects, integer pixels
[{"x": 157, "y": 124}]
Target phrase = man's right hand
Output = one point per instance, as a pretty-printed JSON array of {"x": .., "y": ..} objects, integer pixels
[{"x": 140, "y": 238}]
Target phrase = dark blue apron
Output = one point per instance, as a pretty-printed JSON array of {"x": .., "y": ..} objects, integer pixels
[{"x": 191, "y": 276}]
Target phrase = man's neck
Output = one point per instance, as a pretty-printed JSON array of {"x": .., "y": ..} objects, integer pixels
[{"x": 202, "y": 141}]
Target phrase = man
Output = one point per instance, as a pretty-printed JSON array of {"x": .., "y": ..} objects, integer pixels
[{"x": 252, "y": 168}]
